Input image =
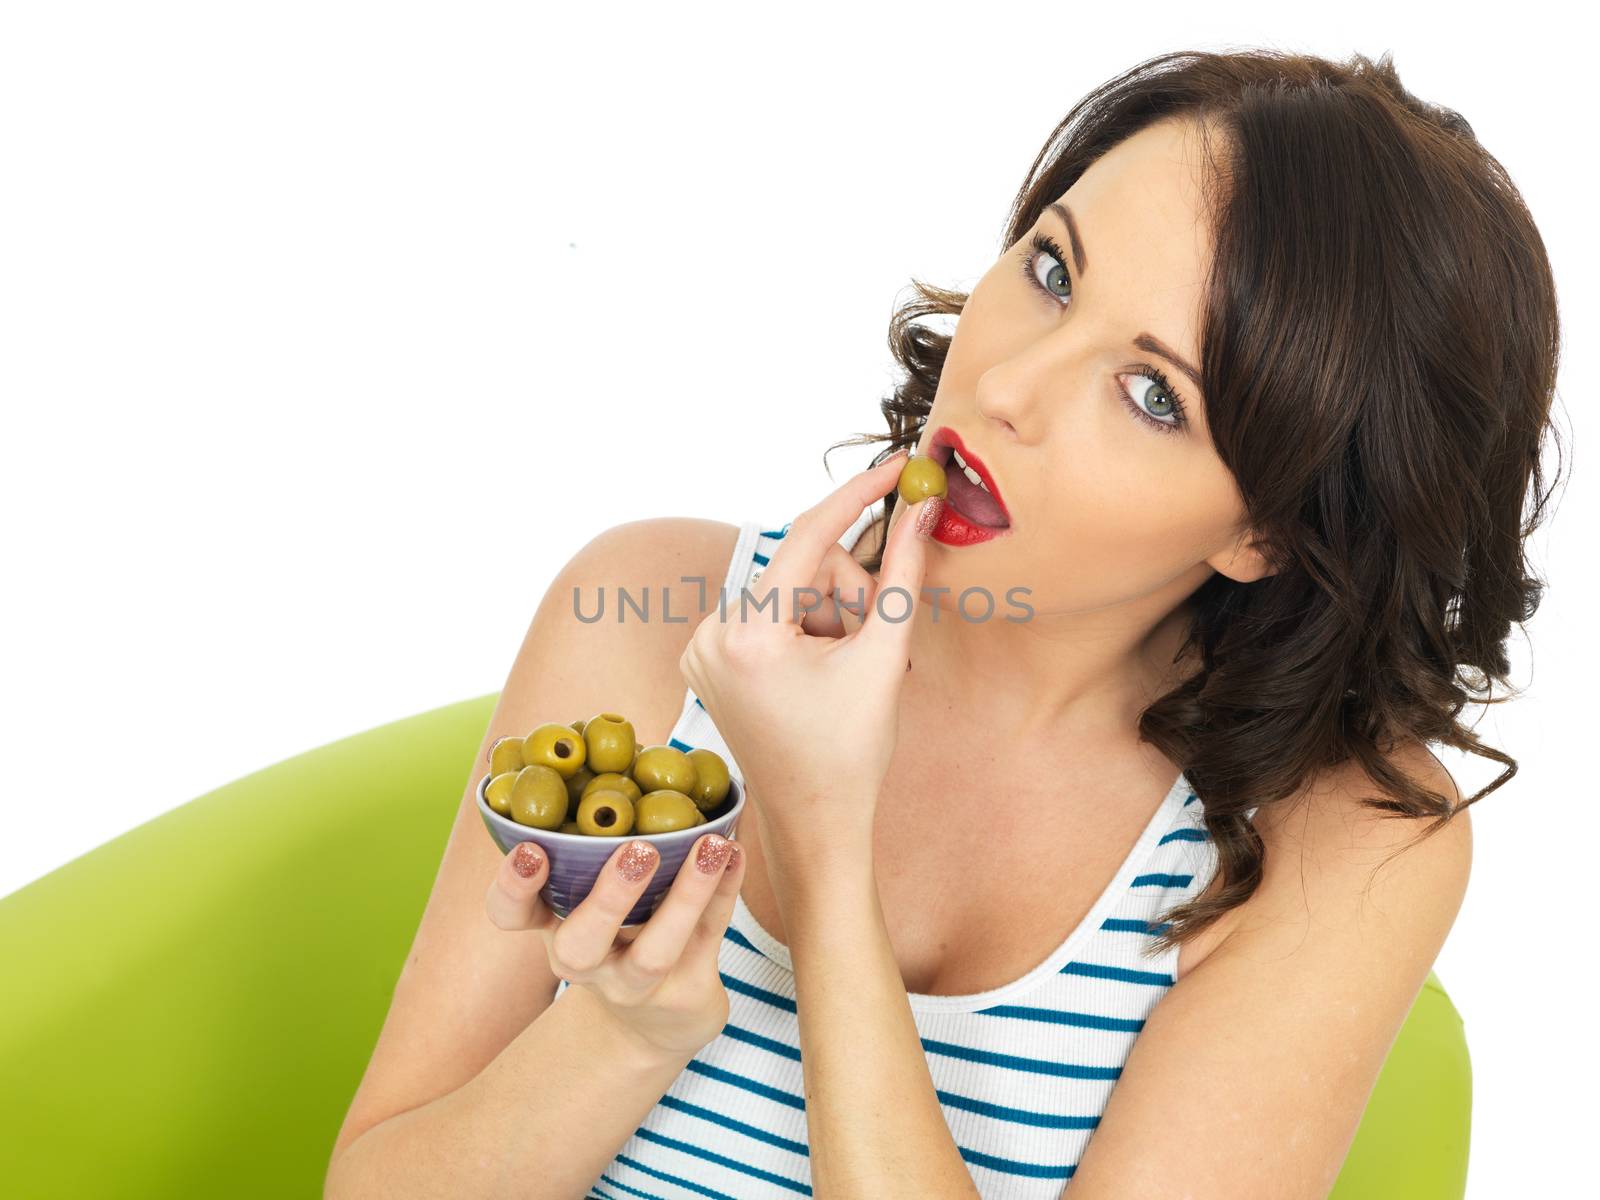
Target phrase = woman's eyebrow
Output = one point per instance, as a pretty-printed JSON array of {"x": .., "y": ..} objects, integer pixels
[
  {"x": 1155, "y": 345},
  {"x": 1078, "y": 256},
  {"x": 1144, "y": 341}
]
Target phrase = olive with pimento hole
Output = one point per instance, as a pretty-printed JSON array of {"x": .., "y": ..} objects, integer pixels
[
  {"x": 605, "y": 813},
  {"x": 558, "y": 747},
  {"x": 608, "y": 737}
]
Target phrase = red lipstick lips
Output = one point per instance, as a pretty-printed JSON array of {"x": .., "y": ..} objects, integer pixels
[{"x": 971, "y": 513}]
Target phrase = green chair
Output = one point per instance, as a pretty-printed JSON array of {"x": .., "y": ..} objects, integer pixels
[{"x": 187, "y": 1009}]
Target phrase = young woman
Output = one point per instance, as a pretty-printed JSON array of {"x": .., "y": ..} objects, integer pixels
[{"x": 1112, "y": 862}]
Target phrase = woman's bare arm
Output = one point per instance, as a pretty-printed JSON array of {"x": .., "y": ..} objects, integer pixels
[
  {"x": 540, "y": 1122},
  {"x": 469, "y": 989}
]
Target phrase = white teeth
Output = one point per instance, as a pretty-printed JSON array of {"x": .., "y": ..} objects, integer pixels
[{"x": 972, "y": 476}]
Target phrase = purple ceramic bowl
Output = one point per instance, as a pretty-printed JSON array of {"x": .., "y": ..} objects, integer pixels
[{"x": 576, "y": 858}]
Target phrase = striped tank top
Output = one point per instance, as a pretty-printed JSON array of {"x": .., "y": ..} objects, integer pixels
[{"x": 1022, "y": 1072}]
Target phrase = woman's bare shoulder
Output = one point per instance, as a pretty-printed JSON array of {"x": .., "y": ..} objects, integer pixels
[
  {"x": 644, "y": 585},
  {"x": 665, "y": 546},
  {"x": 675, "y": 556}
]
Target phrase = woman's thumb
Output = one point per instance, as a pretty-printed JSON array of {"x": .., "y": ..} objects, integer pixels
[{"x": 513, "y": 897}]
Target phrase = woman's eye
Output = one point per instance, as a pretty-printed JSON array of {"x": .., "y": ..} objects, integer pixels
[
  {"x": 1055, "y": 280},
  {"x": 1043, "y": 253},
  {"x": 1152, "y": 400}
]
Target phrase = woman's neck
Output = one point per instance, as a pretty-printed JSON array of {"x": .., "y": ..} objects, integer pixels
[{"x": 1090, "y": 672}]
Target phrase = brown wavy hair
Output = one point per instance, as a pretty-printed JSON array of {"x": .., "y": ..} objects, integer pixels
[{"x": 1388, "y": 449}]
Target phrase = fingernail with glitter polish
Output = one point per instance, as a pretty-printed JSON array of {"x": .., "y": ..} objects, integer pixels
[
  {"x": 525, "y": 860},
  {"x": 636, "y": 861},
  {"x": 713, "y": 853},
  {"x": 929, "y": 516}
]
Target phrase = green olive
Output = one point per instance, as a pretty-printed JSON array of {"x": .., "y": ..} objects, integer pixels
[
  {"x": 539, "y": 797},
  {"x": 710, "y": 779},
  {"x": 506, "y": 755},
  {"x": 578, "y": 725},
  {"x": 920, "y": 478},
  {"x": 664, "y": 768},
  {"x": 554, "y": 746},
  {"x": 570, "y": 827},
  {"x": 579, "y": 779},
  {"x": 577, "y": 782},
  {"x": 663, "y": 811},
  {"x": 498, "y": 793},
  {"x": 605, "y": 813},
  {"x": 616, "y": 782},
  {"x": 610, "y": 742}
]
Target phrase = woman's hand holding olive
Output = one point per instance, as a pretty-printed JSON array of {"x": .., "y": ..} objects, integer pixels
[
  {"x": 813, "y": 720},
  {"x": 658, "y": 981}
]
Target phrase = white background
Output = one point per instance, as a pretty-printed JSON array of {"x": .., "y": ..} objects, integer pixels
[{"x": 331, "y": 331}]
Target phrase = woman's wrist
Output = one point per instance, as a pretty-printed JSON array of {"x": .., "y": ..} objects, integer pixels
[
  {"x": 825, "y": 879},
  {"x": 633, "y": 1047}
]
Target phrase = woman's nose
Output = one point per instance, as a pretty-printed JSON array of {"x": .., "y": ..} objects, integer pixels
[{"x": 1015, "y": 397}]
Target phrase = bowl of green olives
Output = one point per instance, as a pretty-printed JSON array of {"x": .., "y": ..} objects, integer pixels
[{"x": 579, "y": 790}]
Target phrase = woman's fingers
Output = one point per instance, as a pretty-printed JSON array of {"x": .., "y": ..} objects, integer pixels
[
  {"x": 513, "y": 897},
  {"x": 705, "y": 940},
  {"x": 661, "y": 941},
  {"x": 846, "y": 581},
  {"x": 590, "y": 946},
  {"x": 887, "y": 625},
  {"x": 799, "y": 558},
  {"x": 590, "y": 930}
]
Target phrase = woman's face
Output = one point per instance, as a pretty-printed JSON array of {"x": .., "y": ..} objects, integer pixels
[{"x": 1113, "y": 489}]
